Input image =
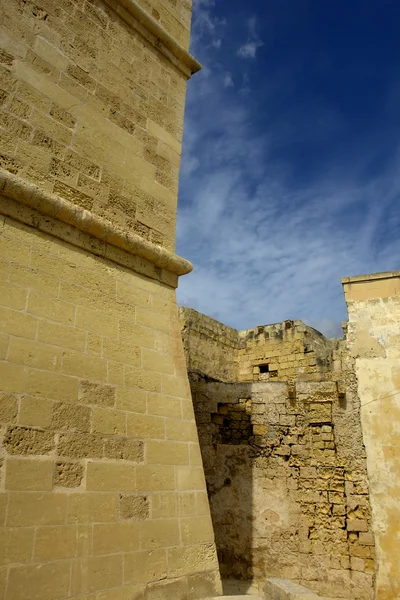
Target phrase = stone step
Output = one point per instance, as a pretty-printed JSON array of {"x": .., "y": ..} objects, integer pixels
[
  {"x": 242, "y": 589},
  {"x": 241, "y": 597},
  {"x": 274, "y": 589},
  {"x": 283, "y": 589}
]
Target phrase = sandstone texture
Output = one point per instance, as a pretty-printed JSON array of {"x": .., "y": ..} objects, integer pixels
[
  {"x": 102, "y": 491},
  {"x": 373, "y": 345},
  {"x": 278, "y": 416}
]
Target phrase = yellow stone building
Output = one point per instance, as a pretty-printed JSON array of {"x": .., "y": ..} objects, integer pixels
[
  {"x": 102, "y": 492},
  {"x": 102, "y": 487},
  {"x": 373, "y": 343},
  {"x": 300, "y": 442}
]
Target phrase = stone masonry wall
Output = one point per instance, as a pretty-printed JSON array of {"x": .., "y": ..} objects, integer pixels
[
  {"x": 278, "y": 352},
  {"x": 175, "y": 17},
  {"x": 102, "y": 489},
  {"x": 210, "y": 347},
  {"x": 373, "y": 303},
  {"x": 90, "y": 111},
  {"x": 285, "y": 465},
  {"x": 281, "y": 351}
]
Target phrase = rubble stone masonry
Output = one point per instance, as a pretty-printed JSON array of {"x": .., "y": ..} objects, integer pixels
[
  {"x": 278, "y": 417},
  {"x": 102, "y": 490}
]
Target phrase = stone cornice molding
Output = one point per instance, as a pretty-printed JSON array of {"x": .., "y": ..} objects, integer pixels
[
  {"x": 50, "y": 205},
  {"x": 370, "y": 277},
  {"x": 373, "y": 286},
  {"x": 135, "y": 16}
]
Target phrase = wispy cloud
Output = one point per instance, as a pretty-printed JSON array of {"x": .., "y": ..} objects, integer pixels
[
  {"x": 228, "y": 81},
  {"x": 265, "y": 246},
  {"x": 249, "y": 49},
  {"x": 206, "y": 26}
]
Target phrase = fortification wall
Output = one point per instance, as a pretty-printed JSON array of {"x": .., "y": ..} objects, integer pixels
[
  {"x": 279, "y": 352},
  {"x": 174, "y": 17},
  {"x": 92, "y": 111},
  {"x": 210, "y": 346},
  {"x": 285, "y": 462},
  {"x": 102, "y": 490},
  {"x": 283, "y": 351},
  {"x": 373, "y": 303}
]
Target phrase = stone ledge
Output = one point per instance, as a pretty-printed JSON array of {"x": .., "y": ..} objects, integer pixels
[
  {"x": 284, "y": 589},
  {"x": 371, "y": 287},
  {"x": 240, "y": 597},
  {"x": 47, "y": 212},
  {"x": 127, "y": 9},
  {"x": 371, "y": 277}
]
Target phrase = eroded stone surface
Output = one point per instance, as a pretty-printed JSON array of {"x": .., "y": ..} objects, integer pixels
[
  {"x": 374, "y": 347},
  {"x": 283, "y": 455},
  {"x": 102, "y": 492}
]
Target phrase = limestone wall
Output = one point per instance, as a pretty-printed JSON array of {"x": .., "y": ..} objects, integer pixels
[
  {"x": 374, "y": 345},
  {"x": 102, "y": 490},
  {"x": 210, "y": 347},
  {"x": 174, "y": 17},
  {"x": 278, "y": 352},
  {"x": 287, "y": 484},
  {"x": 284, "y": 458},
  {"x": 101, "y": 482},
  {"x": 91, "y": 111},
  {"x": 282, "y": 351}
]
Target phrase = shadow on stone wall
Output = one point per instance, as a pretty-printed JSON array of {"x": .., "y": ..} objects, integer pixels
[
  {"x": 223, "y": 416},
  {"x": 288, "y": 494}
]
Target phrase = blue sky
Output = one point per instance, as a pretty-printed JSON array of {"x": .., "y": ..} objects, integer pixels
[{"x": 290, "y": 173}]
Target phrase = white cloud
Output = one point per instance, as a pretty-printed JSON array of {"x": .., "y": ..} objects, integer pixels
[
  {"x": 249, "y": 50},
  {"x": 206, "y": 26},
  {"x": 251, "y": 25},
  {"x": 228, "y": 81},
  {"x": 274, "y": 254},
  {"x": 264, "y": 249}
]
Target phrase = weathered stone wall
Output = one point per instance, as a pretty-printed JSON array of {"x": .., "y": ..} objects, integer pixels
[
  {"x": 90, "y": 110},
  {"x": 102, "y": 490},
  {"x": 278, "y": 352},
  {"x": 285, "y": 462},
  {"x": 101, "y": 482},
  {"x": 281, "y": 351},
  {"x": 173, "y": 16},
  {"x": 210, "y": 347},
  {"x": 373, "y": 303}
]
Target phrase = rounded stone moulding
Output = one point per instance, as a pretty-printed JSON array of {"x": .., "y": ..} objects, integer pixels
[
  {"x": 46, "y": 203},
  {"x": 160, "y": 38}
]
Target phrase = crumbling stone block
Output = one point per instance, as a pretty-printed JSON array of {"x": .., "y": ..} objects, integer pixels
[
  {"x": 98, "y": 394},
  {"x": 124, "y": 448},
  {"x": 68, "y": 474},
  {"x": 134, "y": 507},
  {"x": 21, "y": 440},
  {"x": 320, "y": 412}
]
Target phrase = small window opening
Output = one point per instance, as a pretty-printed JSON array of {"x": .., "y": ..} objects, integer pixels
[{"x": 264, "y": 368}]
